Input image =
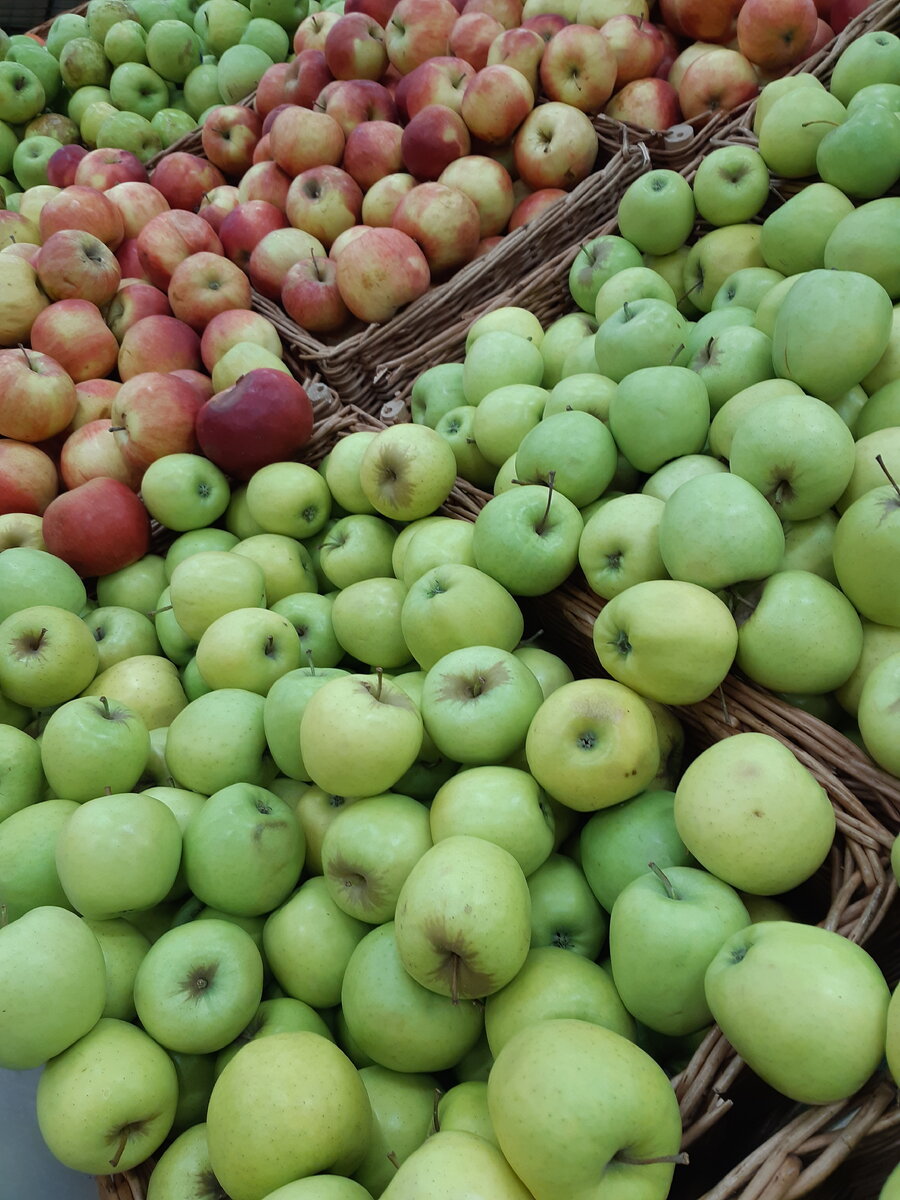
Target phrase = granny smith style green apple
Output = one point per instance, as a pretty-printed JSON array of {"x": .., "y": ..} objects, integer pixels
[
  {"x": 658, "y": 413},
  {"x": 369, "y": 850},
  {"x": 548, "y": 669},
  {"x": 283, "y": 710},
  {"x": 500, "y": 804},
  {"x": 617, "y": 843},
  {"x": 825, "y": 1002},
  {"x": 717, "y": 530},
  {"x": 876, "y": 715},
  {"x": 580, "y": 359},
  {"x": 776, "y": 89},
  {"x": 121, "y": 633},
  {"x": 861, "y": 157},
  {"x": 185, "y": 491},
  {"x": 450, "y": 1161},
  {"x": 564, "y": 911},
  {"x": 887, "y": 95},
  {"x": 201, "y": 89},
  {"x": 249, "y": 648},
  {"x": 110, "y": 1097},
  {"x": 561, "y": 339},
  {"x": 8, "y": 144},
  {"x": 456, "y": 427},
  {"x": 21, "y": 774},
  {"x": 808, "y": 545},
  {"x": 892, "y": 1040},
  {"x": 308, "y": 942},
  {"x": 403, "y": 1111},
  {"x": 597, "y": 261},
  {"x": 551, "y": 985},
  {"x": 620, "y": 544},
  {"x": 137, "y": 88},
  {"x": 511, "y": 319},
  {"x": 656, "y": 211},
  {"x": 101, "y": 15},
  {"x": 717, "y": 255},
  {"x": 48, "y": 656},
  {"x": 217, "y": 740},
  {"x": 210, "y": 583},
  {"x": 183, "y": 1167},
  {"x": 82, "y": 63},
  {"x": 856, "y": 243},
  {"x": 864, "y": 552},
  {"x": 463, "y": 1108},
  {"x": 709, "y": 325},
  {"x": 136, "y": 586},
  {"x": 642, "y": 333},
  {"x": 444, "y": 540},
  {"x": 436, "y": 391},
  {"x": 669, "y": 924},
  {"x": 663, "y": 482},
  {"x": 126, "y": 41},
  {"x": 407, "y": 471},
  {"x": 124, "y": 948},
  {"x": 173, "y": 50},
  {"x": 874, "y": 57},
  {"x": 286, "y": 564},
  {"x": 613, "y": 1105},
  {"x": 671, "y": 640},
  {"x": 632, "y": 283},
  {"x": 183, "y": 805},
  {"x": 274, "y": 1083},
  {"x": 170, "y": 124},
  {"x": 880, "y": 411},
  {"x": 42, "y": 64},
  {"x": 393, "y": 1019},
  {"x": 82, "y": 98},
  {"x": 66, "y": 26},
  {"x": 240, "y": 69},
  {"x": 463, "y": 920},
  {"x": 91, "y": 744},
  {"x": 793, "y": 127},
  {"x": 717, "y": 807},
  {"x": 28, "y": 857},
  {"x": 48, "y": 947},
  {"x": 801, "y": 635},
  {"x": 890, "y": 1189},
  {"x": 577, "y": 448},
  {"x": 220, "y": 24},
  {"x": 29, "y": 577},
  {"x": 21, "y": 92},
  {"x": 145, "y": 683},
  {"x": 498, "y": 359},
  {"x": 503, "y": 417},
  {"x": 731, "y": 185},
  {"x": 366, "y": 621},
  {"x": 877, "y": 458},
  {"x": 740, "y": 405},
  {"x": 283, "y": 1014},
  {"x": 527, "y": 538},
  {"x": 357, "y": 547},
  {"x": 879, "y": 642},
  {"x": 592, "y": 743},
  {"x": 268, "y": 36},
  {"x": 341, "y": 468},
  {"x": 746, "y": 287}
]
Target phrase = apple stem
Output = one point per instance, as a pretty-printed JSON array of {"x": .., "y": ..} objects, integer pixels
[
  {"x": 893, "y": 481},
  {"x": 435, "y": 1119},
  {"x": 116, "y": 429},
  {"x": 675, "y": 355},
  {"x": 120, "y": 1149},
  {"x": 27, "y": 359},
  {"x": 665, "y": 880},
  {"x": 680, "y": 1160},
  {"x": 156, "y": 611},
  {"x": 393, "y": 1159},
  {"x": 4, "y": 920},
  {"x": 627, "y": 313},
  {"x": 312, "y": 255},
  {"x": 551, "y": 480},
  {"x": 309, "y": 659},
  {"x": 454, "y": 980},
  {"x": 379, "y": 675},
  {"x": 105, "y": 703},
  {"x": 819, "y": 121}
]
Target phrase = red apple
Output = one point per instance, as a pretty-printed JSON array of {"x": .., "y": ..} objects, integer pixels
[
  {"x": 519, "y": 48},
  {"x": 301, "y": 138},
  {"x": 373, "y": 150},
  {"x": 37, "y": 397},
  {"x": 279, "y": 108},
  {"x": 823, "y": 35},
  {"x": 171, "y": 237},
  {"x": 270, "y": 89},
  {"x": 719, "y": 80},
  {"x": 305, "y": 78},
  {"x": 106, "y": 167},
  {"x": 137, "y": 203},
  {"x": 495, "y": 103},
  {"x": 73, "y": 264},
  {"x": 63, "y": 164},
  {"x": 380, "y": 10},
  {"x": 79, "y": 207},
  {"x": 264, "y": 181},
  {"x": 95, "y": 397},
  {"x": 204, "y": 285},
  {"x": 488, "y": 186},
  {"x": 381, "y": 200},
  {"x": 184, "y": 179},
  {"x": 28, "y": 480},
  {"x": 265, "y": 417},
  {"x": 238, "y": 325},
  {"x": 158, "y": 343},
  {"x": 546, "y": 24},
  {"x": 229, "y": 136},
  {"x": 354, "y": 48},
  {"x": 202, "y": 384},
  {"x": 700, "y": 20},
  {"x": 217, "y": 204},
  {"x": 313, "y": 30},
  {"x": 344, "y": 239},
  {"x": 311, "y": 296},
  {"x": 579, "y": 68},
  {"x": 775, "y": 34},
  {"x": 352, "y": 101},
  {"x": 533, "y": 205},
  {"x": 555, "y": 147},
  {"x": 444, "y": 222},
  {"x": 381, "y": 271},
  {"x": 435, "y": 137},
  {"x": 471, "y": 37},
  {"x": 135, "y": 300},
  {"x": 671, "y": 50},
  {"x": 97, "y": 528},
  {"x": 324, "y": 201},
  {"x": 684, "y": 59},
  {"x": 507, "y": 12},
  {"x": 418, "y": 30},
  {"x": 153, "y": 414},
  {"x": 244, "y": 228},
  {"x": 92, "y": 452},
  {"x": 129, "y": 260},
  {"x": 74, "y": 333},
  {"x": 438, "y": 81},
  {"x": 638, "y": 47},
  {"x": 649, "y": 103},
  {"x": 276, "y": 254},
  {"x": 842, "y": 13},
  {"x": 263, "y": 151}
]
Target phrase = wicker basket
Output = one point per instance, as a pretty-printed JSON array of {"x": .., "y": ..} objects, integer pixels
[
  {"x": 746, "y": 1141},
  {"x": 41, "y": 31}
]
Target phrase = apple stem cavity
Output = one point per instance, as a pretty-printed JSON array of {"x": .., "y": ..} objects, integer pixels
[
  {"x": 541, "y": 525},
  {"x": 680, "y": 1160},
  {"x": 664, "y": 880},
  {"x": 454, "y": 979},
  {"x": 893, "y": 482}
]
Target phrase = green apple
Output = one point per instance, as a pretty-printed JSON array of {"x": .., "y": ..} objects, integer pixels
[
  {"x": 548, "y": 669},
  {"x": 876, "y": 714},
  {"x": 873, "y": 57},
  {"x": 717, "y": 530},
  {"x": 240, "y": 69},
  {"x": 268, "y": 36},
  {"x": 48, "y": 655},
  {"x": 184, "y": 491},
  {"x": 463, "y": 1108},
  {"x": 220, "y": 24},
  {"x": 527, "y": 538},
  {"x": 510, "y": 318},
  {"x": 124, "y": 948},
  {"x": 731, "y": 185},
  {"x": 289, "y": 498},
  {"x": 793, "y": 127},
  {"x": 285, "y": 704},
  {"x": 597, "y": 261},
  {"x": 101, "y": 15},
  {"x": 658, "y": 413},
  {"x": 121, "y": 633},
  {"x": 8, "y": 143},
  {"x": 21, "y": 92},
  {"x": 28, "y": 857},
  {"x": 808, "y": 545},
  {"x": 716, "y": 256},
  {"x": 21, "y": 775},
  {"x": 96, "y": 114},
  {"x": 861, "y": 157},
  {"x": 288, "y": 13},
  {"x": 878, "y": 643},
  {"x": 449, "y": 1162},
  {"x": 359, "y": 546},
  {"x": 82, "y": 63},
  {"x": 457, "y": 428},
  {"x": 880, "y": 411},
  {"x": 671, "y": 640},
  {"x": 126, "y": 41},
  {"x": 137, "y": 88},
  {"x": 864, "y": 553},
  {"x": 109, "y": 1099},
  {"x": 633, "y": 283},
  {"x": 210, "y": 583},
  {"x": 642, "y": 333},
  {"x": 42, "y": 63},
  {"x": 66, "y": 26},
  {"x": 136, "y": 586},
  {"x": 192, "y": 541},
  {"x": 201, "y": 89},
  {"x": 82, "y": 98},
  {"x": 503, "y": 417},
  {"x": 663, "y": 482},
  {"x": 310, "y": 614},
  {"x": 171, "y": 124},
  {"x": 576, "y": 448},
  {"x": 877, "y": 458},
  {"x": 561, "y": 338},
  {"x": 366, "y": 620},
  {"x": 753, "y": 815},
  {"x": 173, "y": 50},
  {"x": 260, "y": 1094},
  {"x": 856, "y": 243},
  {"x": 746, "y": 287},
  {"x": 248, "y": 648},
  {"x": 369, "y": 850},
  {"x": 145, "y": 683},
  {"x": 615, "y": 1114},
  {"x": 29, "y": 577},
  {"x": 776, "y": 88},
  {"x": 669, "y": 925},
  {"x": 656, "y": 211},
  {"x": 709, "y": 325},
  {"x": 437, "y": 390},
  {"x": 217, "y": 740},
  {"x": 340, "y": 468},
  {"x": 407, "y": 471},
  {"x": 592, "y": 743},
  {"x": 397, "y": 1022},
  {"x": 499, "y": 359},
  {"x": 564, "y": 911},
  {"x": 92, "y": 744},
  {"x": 620, "y": 543},
  {"x": 403, "y": 1111},
  {"x": 734, "y": 410},
  {"x": 822, "y": 1041},
  {"x": 183, "y": 1167},
  {"x": 283, "y": 1014},
  {"x": 47, "y": 947},
  {"x": 433, "y": 544},
  {"x": 580, "y": 358}
]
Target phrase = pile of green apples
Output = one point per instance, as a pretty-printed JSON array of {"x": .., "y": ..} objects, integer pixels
[
  {"x": 134, "y": 76},
  {"x": 301, "y": 833}
]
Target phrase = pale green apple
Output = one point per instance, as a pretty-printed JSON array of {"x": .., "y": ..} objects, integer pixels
[
  {"x": 463, "y": 1108},
  {"x": 597, "y": 261},
  {"x": 825, "y": 1002},
  {"x": 125, "y": 41},
  {"x": 620, "y": 544},
  {"x": 403, "y": 1111},
  {"x": 873, "y": 57},
  {"x": 808, "y": 545},
  {"x": 66, "y": 26},
  {"x": 29, "y": 576},
  {"x": 366, "y": 619},
  {"x": 656, "y": 211},
  {"x": 240, "y": 69},
  {"x": 172, "y": 124},
  {"x": 283, "y": 1014},
  {"x": 742, "y": 403},
  {"x": 124, "y": 948},
  {"x": 527, "y": 538},
  {"x": 548, "y": 669},
  {"x": 173, "y": 50},
  {"x": 121, "y": 633},
  {"x": 286, "y": 564},
  {"x": 792, "y": 128},
  {"x": 857, "y": 242},
  {"x": 861, "y": 157},
  {"x": 642, "y": 333},
  {"x": 49, "y": 655},
  {"x": 183, "y": 1167},
  {"x": 562, "y": 338},
  {"x": 433, "y": 545},
  {"x": 28, "y": 875},
  {"x": 209, "y": 583},
  {"x": 407, "y": 471},
  {"x": 632, "y": 283},
  {"x": 658, "y": 413},
  {"x": 359, "y": 546},
  {"x": 776, "y": 88},
  {"x": 717, "y": 255},
  {"x": 731, "y": 185},
  {"x": 341, "y": 466},
  {"x": 794, "y": 235},
  {"x": 90, "y": 745},
  {"x": 878, "y": 643},
  {"x": 136, "y": 586},
  {"x": 753, "y": 815},
  {"x": 268, "y": 36},
  {"x": 864, "y": 553},
  {"x": 220, "y": 24},
  {"x": 746, "y": 287},
  {"x": 576, "y": 448},
  {"x": 21, "y": 775},
  {"x": 285, "y": 704},
  {"x": 564, "y": 911},
  {"x": 504, "y": 415},
  {"x": 451, "y": 1161},
  {"x": 510, "y": 318},
  {"x": 663, "y": 482},
  {"x": 249, "y": 648},
  {"x": 887, "y": 369},
  {"x": 145, "y": 683},
  {"x": 437, "y": 390},
  {"x": 877, "y": 715},
  {"x": 456, "y": 427},
  {"x": 201, "y": 89},
  {"x": 217, "y": 740},
  {"x": 880, "y": 411}
]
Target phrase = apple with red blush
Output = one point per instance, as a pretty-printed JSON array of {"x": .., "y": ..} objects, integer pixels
[
  {"x": 471, "y": 37},
  {"x": 265, "y": 417},
  {"x": 137, "y": 203},
  {"x": 649, "y": 103},
  {"x": 94, "y": 400},
  {"x": 28, "y": 478},
  {"x": 202, "y": 384},
  {"x": 132, "y": 302},
  {"x": 311, "y": 297},
  {"x": 264, "y": 181},
  {"x": 379, "y": 10},
  {"x": 439, "y": 81},
  {"x": 229, "y": 136},
  {"x": 638, "y": 47},
  {"x": 97, "y": 528},
  {"x": 435, "y": 137},
  {"x": 74, "y": 333},
  {"x": 372, "y": 151},
  {"x": 555, "y": 147},
  {"x": 495, "y": 103},
  {"x": 158, "y": 343},
  {"x": 776, "y": 34},
  {"x": 533, "y": 205},
  {"x": 352, "y": 101},
  {"x": 443, "y": 221},
  {"x": 153, "y": 414},
  {"x": 301, "y": 138},
  {"x": 92, "y": 452},
  {"x": 381, "y": 271},
  {"x": 579, "y": 68},
  {"x": 105, "y": 167},
  {"x": 37, "y": 396},
  {"x": 169, "y": 238},
  {"x": 324, "y": 201},
  {"x": 354, "y": 48},
  {"x": 418, "y": 30},
  {"x": 717, "y": 81},
  {"x": 546, "y": 24},
  {"x": 246, "y": 226},
  {"x": 85, "y": 208},
  {"x": 488, "y": 185},
  {"x": 381, "y": 200},
  {"x": 205, "y": 285},
  {"x": 238, "y": 325},
  {"x": 519, "y": 48},
  {"x": 63, "y": 163},
  {"x": 217, "y": 204},
  {"x": 184, "y": 179},
  {"x": 842, "y": 13},
  {"x": 74, "y": 264},
  {"x": 276, "y": 254},
  {"x": 313, "y": 30},
  {"x": 700, "y": 20},
  {"x": 129, "y": 261}
]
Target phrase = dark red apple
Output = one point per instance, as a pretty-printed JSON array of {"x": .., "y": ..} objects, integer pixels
[
  {"x": 97, "y": 528},
  {"x": 63, "y": 163}
]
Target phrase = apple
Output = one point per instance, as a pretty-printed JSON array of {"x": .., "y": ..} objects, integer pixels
[
  {"x": 90, "y": 453},
  {"x": 407, "y": 471},
  {"x": 458, "y": 1158},
  {"x": 28, "y": 479},
  {"x": 440, "y": 80},
  {"x": 472, "y": 35},
  {"x": 229, "y": 136},
  {"x": 38, "y": 395},
  {"x": 30, "y": 576},
  {"x": 98, "y": 528},
  {"x": 184, "y": 179},
  {"x": 228, "y": 329},
  {"x": 520, "y": 48},
  {"x": 310, "y": 295},
  {"x": 418, "y": 30},
  {"x": 776, "y": 38},
  {"x": 63, "y": 164},
  {"x": 155, "y": 341},
  {"x": 121, "y": 633},
  {"x": 104, "y": 168},
  {"x": 381, "y": 200},
  {"x": 73, "y": 264},
  {"x": 496, "y": 101},
  {"x": 264, "y": 181},
  {"x": 204, "y": 285},
  {"x": 131, "y": 303},
  {"x": 74, "y": 333},
  {"x": 721, "y": 79},
  {"x": 579, "y": 68},
  {"x": 650, "y": 103},
  {"x": 552, "y": 147}
]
